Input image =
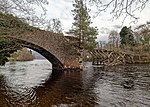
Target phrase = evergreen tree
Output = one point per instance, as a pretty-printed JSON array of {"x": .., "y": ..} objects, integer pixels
[
  {"x": 126, "y": 36},
  {"x": 81, "y": 26}
]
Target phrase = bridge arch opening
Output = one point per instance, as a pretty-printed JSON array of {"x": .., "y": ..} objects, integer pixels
[{"x": 56, "y": 63}]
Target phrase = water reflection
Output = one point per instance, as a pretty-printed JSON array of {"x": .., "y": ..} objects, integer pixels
[
  {"x": 19, "y": 80},
  {"x": 31, "y": 84}
]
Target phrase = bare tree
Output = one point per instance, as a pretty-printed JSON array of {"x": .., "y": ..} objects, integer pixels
[
  {"x": 120, "y": 7},
  {"x": 4, "y": 6},
  {"x": 25, "y": 9},
  {"x": 25, "y": 6},
  {"x": 142, "y": 33},
  {"x": 114, "y": 38},
  {"x": 54, "y": 25}
]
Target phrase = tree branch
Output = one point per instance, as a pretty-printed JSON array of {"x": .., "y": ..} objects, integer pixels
[{"x": 120, "y": 7}]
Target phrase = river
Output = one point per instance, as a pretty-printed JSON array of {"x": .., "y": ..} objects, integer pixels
[{"x": 32, "y": 84}]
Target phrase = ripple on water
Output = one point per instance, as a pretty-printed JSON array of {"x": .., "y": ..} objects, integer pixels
[{"x": 22, "y": 84}]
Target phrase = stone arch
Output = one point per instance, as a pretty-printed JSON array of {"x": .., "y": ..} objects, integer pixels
[
  {"x": 57, "y": 48},
  {"x": 56, "y": 63}
]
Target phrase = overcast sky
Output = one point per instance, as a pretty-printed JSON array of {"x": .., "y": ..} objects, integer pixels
[{"x": 62, "y": 9}]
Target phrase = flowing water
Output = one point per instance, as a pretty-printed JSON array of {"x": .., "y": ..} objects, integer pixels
[{"x": 32, "y": 84}]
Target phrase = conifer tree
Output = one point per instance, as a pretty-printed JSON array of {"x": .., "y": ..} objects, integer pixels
[
  {"x": 81, "y": 26},
  {"x": 126, "y": 36}
]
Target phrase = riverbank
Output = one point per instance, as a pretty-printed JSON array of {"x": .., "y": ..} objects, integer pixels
[{"x": 22, "y": 55}]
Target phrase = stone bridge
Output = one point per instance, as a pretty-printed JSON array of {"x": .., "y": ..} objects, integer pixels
[{"x": 54, "y": 47}]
